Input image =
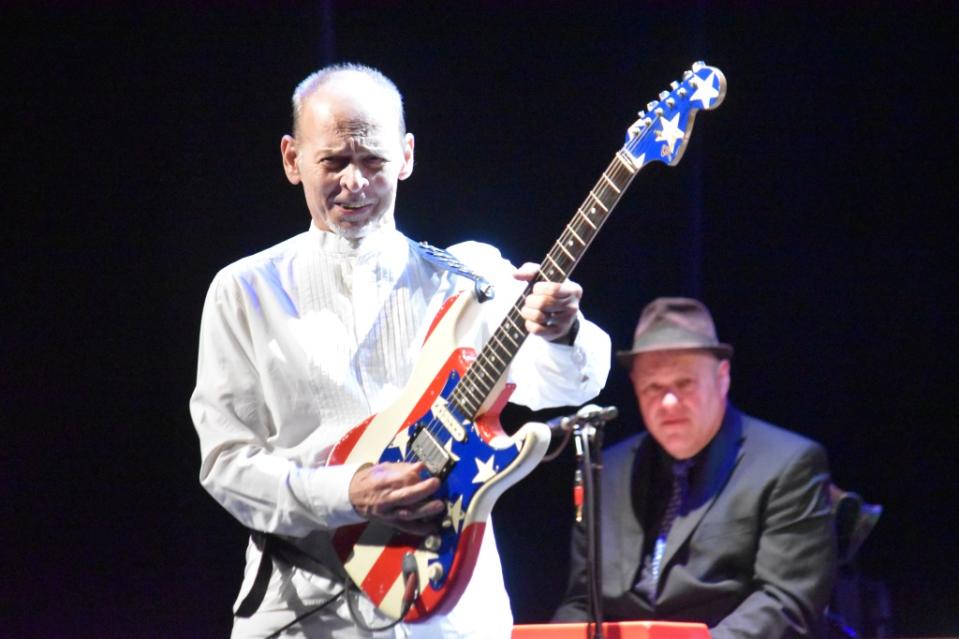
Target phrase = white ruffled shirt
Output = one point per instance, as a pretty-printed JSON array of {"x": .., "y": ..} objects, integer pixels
[{"x": 303, "y": 341}]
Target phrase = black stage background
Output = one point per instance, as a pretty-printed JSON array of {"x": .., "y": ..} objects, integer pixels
[{"x": 812, "y": 212}]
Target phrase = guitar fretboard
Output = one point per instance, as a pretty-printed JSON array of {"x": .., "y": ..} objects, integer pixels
[{"x": 492, "y": 361}]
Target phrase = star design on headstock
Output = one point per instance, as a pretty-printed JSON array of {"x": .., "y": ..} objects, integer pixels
[
  {"x": 484, "y": 470},
  {"x": 638, "y": 161},
  {"x": 670, "y": 133},
  {"x": 705, "y": 91}
]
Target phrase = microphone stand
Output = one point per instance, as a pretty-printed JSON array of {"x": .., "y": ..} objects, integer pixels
[{"x": 588, "y": 438}]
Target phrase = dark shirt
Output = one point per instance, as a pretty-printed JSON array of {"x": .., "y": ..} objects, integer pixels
[{"x": 657, "y": 498}]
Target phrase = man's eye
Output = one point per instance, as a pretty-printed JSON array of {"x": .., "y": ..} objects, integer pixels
[
  {"x": 374, "y": 162},
  {"x": 333, "y": 163}
]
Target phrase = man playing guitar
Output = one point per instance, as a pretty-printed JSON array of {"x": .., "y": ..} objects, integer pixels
[{"x": 302, "y": 342}]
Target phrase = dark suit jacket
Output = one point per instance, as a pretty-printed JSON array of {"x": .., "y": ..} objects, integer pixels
[{"x": 753, "y": 556}]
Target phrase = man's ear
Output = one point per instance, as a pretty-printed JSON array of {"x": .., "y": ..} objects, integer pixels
[
  {"x": 724, "y": 376},
  {"x": 289, "y": 154},
  {"x": 408, "y": 144}
]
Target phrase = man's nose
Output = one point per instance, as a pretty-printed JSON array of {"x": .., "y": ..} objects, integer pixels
[
  {"x": 353, "y": 179},
  {"x": 669, "y": 400}
]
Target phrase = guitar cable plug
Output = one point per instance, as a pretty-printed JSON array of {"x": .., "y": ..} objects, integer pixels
[{"x": 411, "y": 576}]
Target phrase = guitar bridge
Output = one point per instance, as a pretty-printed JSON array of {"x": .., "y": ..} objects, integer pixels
[{"x": 439, "y": 462}]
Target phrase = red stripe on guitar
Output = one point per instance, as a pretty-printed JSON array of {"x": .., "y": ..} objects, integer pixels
[
  {"x": 342, "y": 450},
  {"x": 488, "y": 425},
  {"x": 432, "y": 601},
  {"x": 388, "y": 566},
  {"x": 345, "y": 538}
]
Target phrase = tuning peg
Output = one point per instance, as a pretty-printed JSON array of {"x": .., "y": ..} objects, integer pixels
[
  {"x": 641, "y": 115},
  {"x": 699, "y": 64},
  {"x": 687, "y": 75},
  {"x": 663, "y": 94},
  {"x": 674, "y": 85},
  {"x": 651, "y": 105}
]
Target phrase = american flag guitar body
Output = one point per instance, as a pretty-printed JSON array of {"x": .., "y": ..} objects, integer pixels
[{"x": 448, "y": 413}]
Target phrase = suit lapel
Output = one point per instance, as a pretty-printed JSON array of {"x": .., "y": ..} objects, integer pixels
[{"x": 721, "y": 458}]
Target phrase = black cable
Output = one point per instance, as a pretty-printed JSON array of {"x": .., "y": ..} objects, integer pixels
[
  {"x": 307, "y": 614},
  {"x": 410, "y": 571}
]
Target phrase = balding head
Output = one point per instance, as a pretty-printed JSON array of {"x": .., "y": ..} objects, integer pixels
[{"x": 349, "y": 78}]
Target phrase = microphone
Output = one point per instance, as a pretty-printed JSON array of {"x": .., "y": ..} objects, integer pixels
[{"x": 588, "y": 414}]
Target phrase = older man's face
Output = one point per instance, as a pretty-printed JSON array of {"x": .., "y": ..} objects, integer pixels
[
  {"x": 349, "y": 155},
  {"x": 682, "y": 396}
]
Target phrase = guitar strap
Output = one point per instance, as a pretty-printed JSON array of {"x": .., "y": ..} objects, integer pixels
[
  {"x": 274, "y": 547},
  {"x": 448, "y": 262}
]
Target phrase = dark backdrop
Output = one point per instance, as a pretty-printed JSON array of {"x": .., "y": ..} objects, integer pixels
[{"x": 812, "y": 212}]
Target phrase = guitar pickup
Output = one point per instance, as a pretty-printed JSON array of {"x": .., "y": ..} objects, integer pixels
[
  {"x": 439, "y": 462},
  {"x": 450, "y": 422}
]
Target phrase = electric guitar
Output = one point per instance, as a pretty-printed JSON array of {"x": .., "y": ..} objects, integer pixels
[{"x": 448, "y": 413}]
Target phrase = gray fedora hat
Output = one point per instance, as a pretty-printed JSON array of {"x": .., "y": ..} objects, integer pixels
[{"x": 674, "y": 323}]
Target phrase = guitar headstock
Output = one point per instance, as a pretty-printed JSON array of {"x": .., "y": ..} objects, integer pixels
[{"x": 662, "y": 131}]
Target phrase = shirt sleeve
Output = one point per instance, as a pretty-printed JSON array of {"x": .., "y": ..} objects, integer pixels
[
  {"x": 548, "y": 374},
  {"x": 263, "y": 489}
]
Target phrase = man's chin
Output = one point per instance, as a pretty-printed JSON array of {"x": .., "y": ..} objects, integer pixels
[
  {"x": 355, "y": 230},
  {"x": 358, "y": 229}
]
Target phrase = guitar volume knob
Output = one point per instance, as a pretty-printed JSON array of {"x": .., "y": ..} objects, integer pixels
[{"x": 435, "y": 571}]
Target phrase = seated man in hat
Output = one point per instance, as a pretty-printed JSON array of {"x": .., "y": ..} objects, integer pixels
[{"x": 710, "y": 516}]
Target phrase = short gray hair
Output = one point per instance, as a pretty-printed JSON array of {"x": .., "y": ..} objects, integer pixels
[{"x": 317, "y": 79}]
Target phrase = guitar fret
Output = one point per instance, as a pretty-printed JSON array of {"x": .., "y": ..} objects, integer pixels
[
  {"x": 557, "y": 267},
  {"x": 496, "y": 358},
  {"x": 626, "y": 164},
  {"x": 489, "y": 376},
  {"x": 583, "y": 217},
  {"x": 516, "y": 328},
  {"x": 459, "y": 404},
  {"x": 501, "y": 355},
  {"x": 507, "y": 335},
  {"x": 560, "y": 246},
  {"x": 519, "y": 328},
  {"x": 612, "y": 184},
  {"x": 599, "y": 201},
  {"x": 575, "y": 234},
  {"x": 471, "y": 386},
  {"x": 497, "y": 345}
]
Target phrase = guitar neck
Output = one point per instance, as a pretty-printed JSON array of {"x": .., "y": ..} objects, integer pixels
[{"x": 565, "y": 254}]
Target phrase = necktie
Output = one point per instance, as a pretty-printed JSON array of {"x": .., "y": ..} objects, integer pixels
[{"x": 677, "y": 495}]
